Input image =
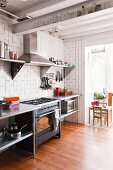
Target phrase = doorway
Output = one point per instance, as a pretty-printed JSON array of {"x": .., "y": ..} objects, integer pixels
[{"x": 98, "y": 73}]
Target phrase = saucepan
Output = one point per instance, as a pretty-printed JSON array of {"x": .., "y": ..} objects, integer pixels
[{"x": 16, "y": 133}]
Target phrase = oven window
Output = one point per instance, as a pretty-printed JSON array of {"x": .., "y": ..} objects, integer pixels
[{"x": 42, "y": 124}]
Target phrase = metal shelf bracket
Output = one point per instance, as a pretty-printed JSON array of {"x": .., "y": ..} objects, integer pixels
[{"x": 15, "y": 68}]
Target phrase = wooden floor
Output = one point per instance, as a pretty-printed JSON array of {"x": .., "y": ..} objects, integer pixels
[{"x": 80, "y": 148}]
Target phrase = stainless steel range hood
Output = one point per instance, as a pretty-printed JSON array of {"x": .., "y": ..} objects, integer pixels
[{"x": 31, "y": 55}]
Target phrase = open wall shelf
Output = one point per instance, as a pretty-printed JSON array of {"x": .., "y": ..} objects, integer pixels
[
  {"x": 16, "y": 65},
  {"x": 66, "y": 69}
]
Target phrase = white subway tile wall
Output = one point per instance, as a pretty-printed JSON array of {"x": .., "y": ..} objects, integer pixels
[
  {"x": 27, "y": 82},
  {"x": 74, "y": 49},
  {"x": 74, "y": 52}
]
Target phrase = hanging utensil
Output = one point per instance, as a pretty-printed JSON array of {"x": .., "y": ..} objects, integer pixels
[
  {"x": 41, "y": 86},
  {"x": 57, "y": 76},
  {"x": 44, "y": 79},
  {"x": 61, "y": 76},
  {"x": 48, "y": 86}
]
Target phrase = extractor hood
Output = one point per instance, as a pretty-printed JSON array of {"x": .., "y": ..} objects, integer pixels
[{"x": 31, "y": 55}]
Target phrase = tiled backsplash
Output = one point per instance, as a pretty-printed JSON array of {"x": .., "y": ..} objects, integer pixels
[
  {"x": 74, "y": 52},
  {"x": 27, "y": 82}
]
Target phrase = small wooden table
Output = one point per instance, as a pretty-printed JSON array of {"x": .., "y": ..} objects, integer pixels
[{"x": 106, "y": 110}]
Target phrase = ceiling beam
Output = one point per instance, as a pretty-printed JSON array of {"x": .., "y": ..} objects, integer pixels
[
  {"x": 31, "y": 25},
  {"x": 63, "y": 27},
  {"x": 84, "y": 27},
  {"x": 87, "y": 32},
  {"x": 48, "y": 7}
]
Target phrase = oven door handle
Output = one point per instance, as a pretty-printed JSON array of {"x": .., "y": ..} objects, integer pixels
[{"x": 39, "y": 116}]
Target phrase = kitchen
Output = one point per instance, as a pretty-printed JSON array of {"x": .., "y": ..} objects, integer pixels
[{"x": 26, "y": 84}]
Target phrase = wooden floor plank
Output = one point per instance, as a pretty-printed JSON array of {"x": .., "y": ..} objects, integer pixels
[{"x": 79, "y": 148}]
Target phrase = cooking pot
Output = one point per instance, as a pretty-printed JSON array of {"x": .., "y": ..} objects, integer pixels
[
  {"x": 15, "y": 133},
  {"x": 57, "y": 91}
]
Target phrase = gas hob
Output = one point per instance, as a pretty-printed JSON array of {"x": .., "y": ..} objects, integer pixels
[{"x": 38, "y": 101}]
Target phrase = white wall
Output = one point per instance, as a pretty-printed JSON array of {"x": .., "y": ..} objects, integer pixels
[
  {"x": 27, "y": 83},
  {"x": 74, "y": 52},
  {"x": 109, "y": 69},
  {"x": 75, "y": 48},
  {"x": 98, "y": 78},
  {"x": 95, "y": 73}
]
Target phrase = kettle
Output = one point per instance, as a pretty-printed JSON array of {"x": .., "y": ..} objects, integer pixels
[{"x": 57, "y": 91}]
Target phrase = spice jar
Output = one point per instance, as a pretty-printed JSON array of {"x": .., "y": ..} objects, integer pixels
[
  {"x": 1, "y": 49},
  {"x": 6, "y": 50},
  {"x": 11, "y": 54}
]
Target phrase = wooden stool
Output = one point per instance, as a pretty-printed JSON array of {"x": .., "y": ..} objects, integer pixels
[
  {"x": 97, "y": 114},
  {"x": 108, "y": 114}
]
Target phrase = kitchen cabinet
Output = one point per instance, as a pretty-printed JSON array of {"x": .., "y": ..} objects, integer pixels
[{"x": 26, "y": 141}]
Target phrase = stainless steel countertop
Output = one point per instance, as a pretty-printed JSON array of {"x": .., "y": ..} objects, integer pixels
[
  {"x": 22, "y": 108},
  {"x": 65, "y": 97}
]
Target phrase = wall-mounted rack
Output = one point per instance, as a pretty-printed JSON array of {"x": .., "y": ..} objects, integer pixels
[{"x": 67, "y": 69}]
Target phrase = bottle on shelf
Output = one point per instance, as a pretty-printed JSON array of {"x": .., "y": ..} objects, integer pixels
[
  {"x": 6, "y": 50},
  {"x": 1, "y": 49}
]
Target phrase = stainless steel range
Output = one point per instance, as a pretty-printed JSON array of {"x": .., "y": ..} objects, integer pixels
[{"x": 47, "y": 118}]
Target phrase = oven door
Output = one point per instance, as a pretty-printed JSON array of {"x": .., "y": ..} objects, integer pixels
[
  {"x": 47, "y": 122},
  {"x": 44, "y": 123},
  {"x": 46, "y": 126}
]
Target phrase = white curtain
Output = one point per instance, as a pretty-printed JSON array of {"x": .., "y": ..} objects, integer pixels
[{"x": 97, "y": 72}]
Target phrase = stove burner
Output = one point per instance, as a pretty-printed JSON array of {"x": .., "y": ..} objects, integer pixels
[{"x": 38, "y": 101}]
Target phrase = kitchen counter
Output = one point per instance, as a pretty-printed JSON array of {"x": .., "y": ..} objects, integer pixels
[
  {"x": 16, "y": 110},
  {"x": 20, "y": 109},
  {"x": 65, "y": 97},
  {"x": 23, "y": 108},
  {"x": 25, "y": 114}
]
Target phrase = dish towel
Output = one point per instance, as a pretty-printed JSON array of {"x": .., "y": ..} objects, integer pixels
[{"x": 56, "y": 119}]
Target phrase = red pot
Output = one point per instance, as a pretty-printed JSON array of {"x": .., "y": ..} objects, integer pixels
[{"x": 57, "y": 91}]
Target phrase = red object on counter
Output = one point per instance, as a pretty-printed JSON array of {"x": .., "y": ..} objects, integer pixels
[
  {"x": 10, "y": 99},
  {"x": 57, "y": 91}
]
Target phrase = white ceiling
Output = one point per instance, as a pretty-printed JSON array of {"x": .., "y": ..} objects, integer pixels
[
  {"x": 89, "y": 24},
  {"x": 37, "y": 8},
  {"x": 15, "y": 6},
  {"x": 98, "y": 22}
]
